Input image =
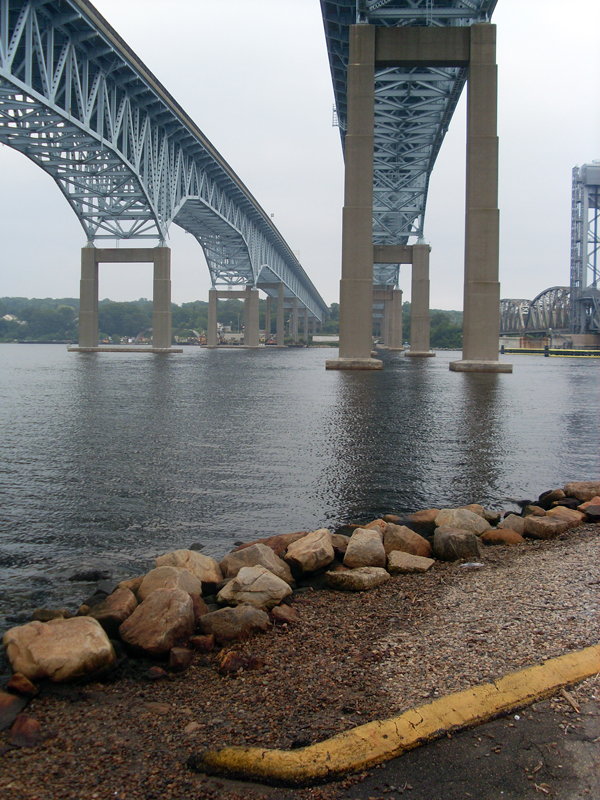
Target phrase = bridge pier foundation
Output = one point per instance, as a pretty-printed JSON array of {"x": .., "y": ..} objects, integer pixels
[
  {"x": 305, "y": 326},
  {"x": 280, "y": 317},
  {"x": 294, "y": 331},
  {"x": 88, "y": 299},
  {"x": 395, "y": 342},
  {"x": 419, "y": 316},
  {"x": 268, "y": 319},
  {"x": 251, "y": 337},
  {"x": 211, "y": 332}
]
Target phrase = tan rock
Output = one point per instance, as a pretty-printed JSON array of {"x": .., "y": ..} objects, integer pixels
[
  {"x": 423, "y": 522},
  {"x": 133, "y": 584},
  {"x": 180, "y": 659},
  {"x": 203, "y": 644},
  {"x": 46, "y": 614},
  {"x": 240, "y": 622},
  {"x": 340, "y": 543},
  {"x": 461, "y": 519},
  {"x": 111, "y": 612},
  {"x": 252, "y": 556},
  {"x": 162, "y": 621},
  {"x": 501, "y": 536},
  {"x": 545, "y": 527},
  {"x": 546, "y": 499},
  {"x": 202, "y": 567},
  {"x": 278, "y": 544},
  {"x": 365, "y": 549},
  {"x": 169, "y": 578},
  {"x": 583, "y": 490},
  {"x": 21, "y": 685},
  {"x": 377, "y": 524},
  {"x": 285, "y": 614},
  {"x": 394, "y": 518},
  {"x": 595, "y": 501},
  {"x": 314, "y": 551},
  {"x": 200, "y": 607},
  {"x": 533, "y": 511},
  {"x": 570, "y": 514},
  {"x": 399, "y": 537},
  {"x": 357, "y": 580},
  {"x": 492, "y": 517},
  {"x": 25, "y": 732},
  {"x": 514, "y": 523},
  {"x": 61, "y": 649},
  {"x": 451, "y": 544},
  {"x": 254, "y": 586},
  {"x": 400, "y": 562}
]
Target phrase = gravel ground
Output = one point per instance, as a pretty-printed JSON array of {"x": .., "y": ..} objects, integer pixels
[{"x": 351, "y": 659}]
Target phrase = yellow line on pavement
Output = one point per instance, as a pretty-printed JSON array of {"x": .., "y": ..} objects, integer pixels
[{"x": 370, "y": 744}]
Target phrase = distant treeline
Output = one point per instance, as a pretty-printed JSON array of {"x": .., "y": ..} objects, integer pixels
[{"x": 46, "y": 320}]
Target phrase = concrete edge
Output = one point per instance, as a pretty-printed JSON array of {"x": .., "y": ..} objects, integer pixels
[
  {"x": 370, "y": 744},
  {"x": 354, "y": 363},
  {"x": 133, "y": 349},
  {"x": 480, "y": 366}
]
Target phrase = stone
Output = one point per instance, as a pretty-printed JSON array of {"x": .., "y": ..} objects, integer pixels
[
  {"x": 493, "y": 517},
  {"x": 203, "y": 644},
  {"x": 399, "y": 537},
  {"x": 232, "y": 662},
  {"x": 169, "y": 577},
  {"x": 202, "y": 567},
  {"x": 132, "y": 583},
  {"x": 546, "y": 499},
  {"x": 583, "y": 490},
  {"x": 229, "y": 624},
  {"x": 157, "y": 674},
  {"x": 90, "y": 575},
  {"x": 285, "y": 614},
  {"x": 401, "y": 562},
  {"x": 252, "y": 556},
  {"x": 544, "y": 527},
  {"x": 310, "y": 553},
  {"x": 21, "y": 685},
  {"x": 10, "y": 707},
  {"x": 46, "y": 614},
  {"x": 568, "y": 502},
  {"x": 278, "y": 544},
  {"x": 162, "y": 621},
  {"x": 423, "y": 522},
  {"x": 574, "y": 518},
  {"x": 114, "y": 610},
  {"x": 376, "y": 525},
  {"x": 200, "y": 607},
  {"x": 60, "y": 649},
  {"x": 365, "y": 549},
  {"x": 463, "y": 520},
  {"x": 357, "y": 580},
  {"x": 25, "y": 732},
  {"x": 514, "y": 523},
  {"x": 593, "y": 513},
  {"x": 451, "y": 544},
  {"x": 254, "y": 586},
  {"x": 179, "y": 659},
  {"x": 394, "y": 518},
  {"x": 340, "y": 543},
  {"x": 595, "y": 501},
  {"x": 533, "y": 511},
  {"x": 501, "y": 536}
]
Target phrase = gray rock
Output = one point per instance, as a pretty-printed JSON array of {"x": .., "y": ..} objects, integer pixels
[
  {"x": 400, "y": 562},
  {"x": 365, "y": 549},
  {"x": 202, "y": 567},
  {"x": 451, "y": 544},
  {"x": 169, "y": 578},
  {"x": 400, "y": 537},
  {"x": 357, "y": 580},
  {"x": 164, "y": 619},
  {"x": 255, "y": 555},
  {"x": 514, "y": 523},
  {"x": 545, "y": 527},
  {"x": 463, "y": 520},
  {"x": 229, "y": 624},
  {"x": 254, "y": 586},
  {"x": 113, "y": 611},
  {"x": 583, "y": 490}
]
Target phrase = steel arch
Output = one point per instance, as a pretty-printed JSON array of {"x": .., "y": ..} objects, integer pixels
[
  {"x": 550, "y": 310},
  {"x": 513, "y": 316}
]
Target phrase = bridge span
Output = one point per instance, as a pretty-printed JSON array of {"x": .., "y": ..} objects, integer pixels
[{"x": 77, "y": 101}]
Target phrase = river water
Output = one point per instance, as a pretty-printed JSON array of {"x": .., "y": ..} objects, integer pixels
[{"x": 109, "y": 459}]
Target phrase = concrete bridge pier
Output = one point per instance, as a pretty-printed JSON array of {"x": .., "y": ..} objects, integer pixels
[
  {"x": 268, "y": 319},
  {"x": 251, "y": 335},
  {"x": 211, "y": 333},
  {"x": 395, "y": 333},
  {"x": 419, "y": 316},
  {"x": 305, "y": 326},
  {"x": 294, "y": 330},
  {"x": 280, "y": 317},
  {"x": 314, "y": 326}
]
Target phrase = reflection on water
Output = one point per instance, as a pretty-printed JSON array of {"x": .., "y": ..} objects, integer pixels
[{"x": 110, "y": 459}]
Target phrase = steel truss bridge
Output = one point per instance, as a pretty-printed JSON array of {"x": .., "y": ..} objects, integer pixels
[
  {"x": 549, "y": 311},
  {"x": 413, "y": 108},
  {"x": 77, "y": 101}
]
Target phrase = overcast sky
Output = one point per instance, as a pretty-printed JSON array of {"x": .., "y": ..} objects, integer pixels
[{"x": 255, "y": 78}]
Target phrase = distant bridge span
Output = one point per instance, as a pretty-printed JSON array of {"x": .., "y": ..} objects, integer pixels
[
  {"x": 76, "y": 100},
  {"x": 549, "y": 311}
]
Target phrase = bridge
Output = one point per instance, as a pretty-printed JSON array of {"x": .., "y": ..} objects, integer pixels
[
  {"x": 77, "y": 101},
  {"x": 398, "y": 69}
]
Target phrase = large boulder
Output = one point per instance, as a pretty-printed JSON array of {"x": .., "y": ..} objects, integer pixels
[
  {"x": 162, "y": 621},
  {"x": 255, "y": 555},
  {"x": 451, "y": 544},
  {"x": 423, "y": 522},
  {"x": 169, "y": 578},
  {"x": 595, "y": 501},
  {"x": 202, "y": 567},
  {"x": 593, "y": 513},
  {"x": 570, "y": 515},
  {"x": 114, "y": 610},
  {"x": 400, "y": 562},
  {"x": 10, "y": 707},
  {"x": 514, "y": 523},
  {"x": 254, "y": 586},
  {"x": 229, "y": 624},
  {"x": 357, "y": 580},
  {"x": 278, "y": 544},
  {"x": 310, "y": 553},
  {"x": 61, "y": 649},
  {"x": 365, "y": 549},
  {"x": 583, "y": 490},
  {"x": 493, "y": 517},
  {"x": 463, "y": 520},
  {"x": 399, "y": 537},
  {"x": 545, "y": 527},
  {"x": 501, "y": 536},
  {"x": 546, "y": 499}
]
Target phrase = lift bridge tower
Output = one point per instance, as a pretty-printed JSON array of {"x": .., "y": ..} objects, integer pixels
[{"x": 585, "y": 245}]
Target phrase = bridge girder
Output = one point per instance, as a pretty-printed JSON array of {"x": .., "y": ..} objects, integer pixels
[{"x": 76, "y": 100}]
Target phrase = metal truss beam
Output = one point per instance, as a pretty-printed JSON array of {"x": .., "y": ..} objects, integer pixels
[{"x": 76, "y": 100}]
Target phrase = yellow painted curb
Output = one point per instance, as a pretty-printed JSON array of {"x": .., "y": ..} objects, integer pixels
[{"x": 370, "y": 744}]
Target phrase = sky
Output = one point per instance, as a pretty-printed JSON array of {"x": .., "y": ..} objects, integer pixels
[{"x": 255, "y": 78}]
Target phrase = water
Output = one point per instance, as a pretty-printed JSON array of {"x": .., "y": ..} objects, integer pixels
[{"x": 110, "y": 459}]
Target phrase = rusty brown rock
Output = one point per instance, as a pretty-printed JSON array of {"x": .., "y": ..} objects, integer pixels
[
  {"x": 310, "y": 553},
  {"x": 583, "y": 490},
  {"x": 285, "y": 614},
  {"x": 21, "y": 685},
  {"x": 10, "y": 707},
  {"x": 46, "y": 614},
  {"x": 574, "y": 518},
  {"x": 157, "y": 674},
  {"x": 595, "y": 501},
  {"x": 25, "y": 731},
  {"x": 423, "y": 522},
  {"x": 133, "y": 584},
  {"x": 232, "y": 662},
  {"x": 179, "y": 659},
  {"x": 200, "y": 607},
  {"x": 533, "y": 511},
  {"x": 377, "y": 524},
  {"x": 502, "y": 536},
  {"x": 203, "y": 644},
  {"x": 340, "y": 543},
  {"x": 544, "y": 527},
  {"x": 399, "y": 537}
]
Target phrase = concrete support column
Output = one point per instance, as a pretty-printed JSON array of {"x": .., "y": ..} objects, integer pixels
[
  {"x": 356, "y": 285},
  {"x": 268, "y": 319},
  {"x": 305, "y": 327},
  {"x": 280, "y": 317},
  {"x": 88, "y": 299},
  {"x": 314, "y": 326},
  {"x": 251, "y": 318},
  {"x": 419, "y": 303},
  {"x": 161, "y": 299},
  {"x": 294, "y": 330},
  {"x": 395, "y": 341},
  {"x": 211, "y": 333},
  {"x": 481, "y": 318}
]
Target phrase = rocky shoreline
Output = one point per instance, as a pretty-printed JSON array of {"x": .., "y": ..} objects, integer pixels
[{"x": 190, "y": 612}]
